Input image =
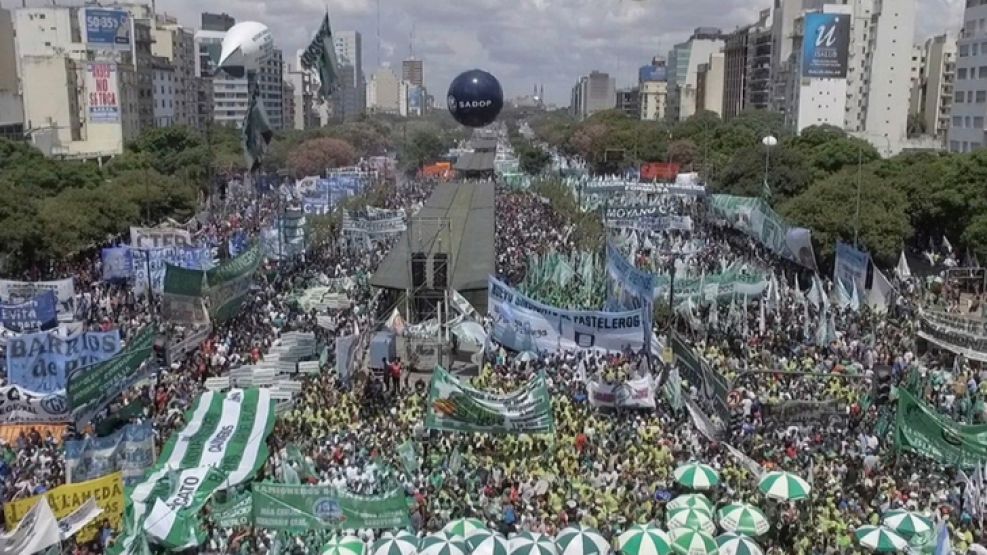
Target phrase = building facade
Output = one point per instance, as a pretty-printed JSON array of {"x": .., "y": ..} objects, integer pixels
[
  {"x": 350, "y": 101},
  {"x": 384, "y": 92},
  {"x": 302, "y": 90},
  {"x": 629, "y": 102},
  {"x": 11, "y": 105},
  {"x": 413, "y": 71},
  {"x": 176, "y": 44},
  {"x": 653, "y": 89},
  {"x": 683, "y": 70},
  {"x": 933, "y": 79},
  {"x": 967, "y": 132},
  {"x": 593, "y": 93},
  {"x": 164, "y": 89},
  {"x": 747, "y": 67},
  {"x": 709, "y": 85}
]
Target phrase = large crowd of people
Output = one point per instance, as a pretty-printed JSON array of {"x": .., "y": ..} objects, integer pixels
[{"x": 606, "y": 469}]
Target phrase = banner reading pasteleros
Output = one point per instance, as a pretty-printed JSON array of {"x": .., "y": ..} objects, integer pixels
[
  {"x": 108, "y": 492},
  {"x": 91, "y": 389},
  {"x": 456, "y": 407},
  {"x": 924, "y": 431},
  {"x": 299, "y": 508}
]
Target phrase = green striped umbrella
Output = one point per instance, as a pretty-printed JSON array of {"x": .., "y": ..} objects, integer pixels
[
  {"x": 581, "y": 540},
  {"x": 697, "y": 476},
  {"x": 344, "y": 545},
  {"x": 695, "y": 519},
  {"x": 441, "y": 543},
  {"x": 692, "y": 501},
  {"x": 532, "y": 543},
  {"x": 737, "y": 544},
  {"x": 686, "y": 541},
  {"x": 485, "y": 542},
  {"x": 906, "y": 523},
  {"x": 744, "y": 519},
  {"x": 880, "y": 539},
  {"x": 644, "y": 539},
  {"x": 464, "y": 527},
  {"x": 783, "y": 486},
  {"x": 401, "y": 543}
]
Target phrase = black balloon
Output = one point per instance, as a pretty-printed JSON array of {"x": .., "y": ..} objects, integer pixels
[{"x": 475, "y": 98}]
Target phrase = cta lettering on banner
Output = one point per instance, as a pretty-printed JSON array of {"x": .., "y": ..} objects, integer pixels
[
  {"x": 152, "y": 238},
  {"x": 65, "y": 499}
]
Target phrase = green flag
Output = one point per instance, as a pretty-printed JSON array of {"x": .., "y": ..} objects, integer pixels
[
  {"x": 234, "y": 512},
  {"x": 320, "y": 56},
  {"x": 90, "y": 389},
  {"x": 454, "y": 406},
  {"x": 920, "y": 429},
  {"x": 408, "y": 456},
  {"x": 299, "y": 508},
  {"x": 257, "y": 132}
]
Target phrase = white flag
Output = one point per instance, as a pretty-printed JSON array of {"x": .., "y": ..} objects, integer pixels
[
  {"x": 37, "y": 531},
  {"x": 79, "y": 518},
  {"x": 880, "y": 292},
  {"x": 902, "y": 270},
  {"x": 946, "y": 245},
  {"x": 815, "y": 293},
  {"x": 762, "y": 325},
  {"x": 855, "y": 299}
]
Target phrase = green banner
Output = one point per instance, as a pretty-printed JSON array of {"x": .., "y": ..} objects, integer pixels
[
  {"x": 230, "y": 282},
  {"x": 301, "y": 508},
  {"x": 726, "y": 285},
  {"x": 408, "y": 456},
  {"x": 235, "y": 512},
  {"x": 91, "y": 388},
  {"x": 182, "y": 295},
  {"x": 754, "y": 216},
  {"x": 920, "y": 429},
  {"x": 456, "y": 407}
]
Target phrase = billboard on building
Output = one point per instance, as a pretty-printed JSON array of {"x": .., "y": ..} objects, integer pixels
[
  {"x": 102, "y": 93},
  {"x": 825, "y": 45},
  {"x": 651, "y": 73},
  {"x": 106, "y": 28}
]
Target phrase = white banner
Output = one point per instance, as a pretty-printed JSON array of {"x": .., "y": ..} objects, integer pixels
[
  {"x": 79, "y": 518},
  {"x": 37, "y": 531},
  {"x": 151, "y": 238},
  {"x": 20, "y": 406},
  {"x": 102, "y": 94},
  {"x": 356, "y": 224},
  {"x": 16, "y": 292},
  {"x": 638, "y": 393}
]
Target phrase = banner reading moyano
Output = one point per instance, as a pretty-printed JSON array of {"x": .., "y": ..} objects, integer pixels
[
  {"x": 453, "y": 406},
  {"x": 299, "y": 508}
]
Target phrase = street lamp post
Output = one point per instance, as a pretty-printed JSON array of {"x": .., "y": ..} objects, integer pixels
[{"x": 768, "y": 142}]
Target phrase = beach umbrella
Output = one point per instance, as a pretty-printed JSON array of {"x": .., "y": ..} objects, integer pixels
[
  {"x": 686, "y": 541},
  {"x": 697, "y": 476},
  {"x": 692, "y": 501},
  {"x": 783, "y": 486},
  {"x": 737, "y": 544},
  {"x": 344, "y": 545},
  {"x": 744, "y": 519},
  {"x": 880, "y": 539},
  {"x": 643, "y": 539},
  {"x": 401, "y": 543},
  {"x": 532, "y": 543},
  {"x": 463, "y": 527},
  {"x": 906, "y": 523},
  {"x": 485, "y": 542},
  {"x": 694, "y": 519},
  {"x": 581, "y": 540},
  {"x": 441, "y": 543}
]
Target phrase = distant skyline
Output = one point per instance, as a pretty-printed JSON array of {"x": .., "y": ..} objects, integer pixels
[{"x": 523, "y": 42}]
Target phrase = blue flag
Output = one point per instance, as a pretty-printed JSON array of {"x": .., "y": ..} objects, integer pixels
[
  {"x": 943, "y": 545},
  {"x": 38, "y": 314}
]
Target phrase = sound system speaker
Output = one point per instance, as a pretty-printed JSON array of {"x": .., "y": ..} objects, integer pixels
[
  {"x": 418, "y": 260},
  {"x": 440, "y": 270}
]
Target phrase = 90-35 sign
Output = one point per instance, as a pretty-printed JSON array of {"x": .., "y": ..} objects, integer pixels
[{"x": 107, "y": 28}]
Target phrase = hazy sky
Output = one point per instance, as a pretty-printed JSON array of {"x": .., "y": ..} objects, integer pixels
[{"x": 521, "y": 41}]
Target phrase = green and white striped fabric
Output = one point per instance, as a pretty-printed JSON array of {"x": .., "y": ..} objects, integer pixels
[
  {"x": 464, "y": 527},
  {"x": 695, "y": 519},
  {"x": 644, "y": 539},
  {"x": 531, "y": 543},
  {"x": 485, "y": 542},
  {"x": 880, "y": 539},
  {"x": 783, "y": 486},
  {"x": 907, "y": 523},
  {"x": 737, "y": 544},
  {"x": 744, "y": 519},
  {"x": 344, "y": 545},
  {"x": 697, "y": 476},
  {"x": 690, "y": 542},
  {"x": 227, "y": 431},
  {"x": 692, "y": 501},
  {"x": 441, "y": 543},
  {"x": 581, "y": 540},
  {"x": 402, "y": 543}
]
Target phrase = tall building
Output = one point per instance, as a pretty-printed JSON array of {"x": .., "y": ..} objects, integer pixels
[
  {"x": 683, "y": 68},
  {"x": 629, "y": 102},
  {"x": 593, "y": 93},
  {"x": 384, "y": 92},
  {"x": 230, "y": 97},
  {"x": 967, "y": 131},
  {"x": 11, "y": 107},
  {"x": 144, "y": 69},
  {"x": 302, "y": 90},
  {"x": 176, "y": 44},
  {"x": 709, "y": 85},
  {"x": 216, "y": 22},
  {"x": 413, "y": 71},
  {"x": 933, "y": 78},
  {"x": 351, "y": 99},
  {"x": 165, "y": 88},
  {"x": 653, "y": 89},
  {"x": 747, "y": 67}
]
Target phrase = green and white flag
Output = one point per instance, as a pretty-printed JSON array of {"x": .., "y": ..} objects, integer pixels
[
  {"x": 234, "y": 512},
  {"x": 229, "y": 283},
  {"x": 320, "y": 56},
  {"x": 299, "y": 508},
  {"x": 173, "y": 522},
  {"x": 454, "y": 406},
  {"x": 921, "y": 429},
  {"x": 257, "y": 131},
  {"x": 226, "y": 430},
  {"x": 90, "y": 389},
  {"x": 408, "y": 456}
]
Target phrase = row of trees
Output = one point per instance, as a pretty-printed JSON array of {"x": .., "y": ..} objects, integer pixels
[{"x": 813, "y": 177}]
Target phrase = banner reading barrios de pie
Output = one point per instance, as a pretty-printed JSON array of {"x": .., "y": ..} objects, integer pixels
[
  {"x": 108, "y": 492},
  {"x": 298, "y": 508},
  {"x": 456, "y": 407}
]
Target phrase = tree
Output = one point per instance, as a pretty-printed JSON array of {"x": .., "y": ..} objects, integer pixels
[
  {"x": 421, "y": 147},
  {"x": 683, "y": 152},
  {"x": 975, "y": 235},
  {"x": 533, "y": 160},
  {"x": 788, "y": 173},
  {"x": 314, "y": 156}
]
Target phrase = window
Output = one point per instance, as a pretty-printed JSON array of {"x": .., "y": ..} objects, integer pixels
[
  {"x": 964, "y": 50},
  {"x": 981, "y": 97},
  {"x": 978, "y": 122},
  {"x": 974, "y": 49},
  {"x": 966, "y": 122},
  {"x": 959, "y": 97},
  {"x": 954, "y": 146},
  {"x": 982, "y": 72},
  {"x": 961, "y": 74},
  {"x": 957, "y": 121}
]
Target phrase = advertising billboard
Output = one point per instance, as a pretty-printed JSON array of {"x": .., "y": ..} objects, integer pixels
[
  {"x": 101, "y": 91},
  {"x": 651, "y": 73},
  {"x": 825, "y": 45},
  {"x": 107, "y": 28}
]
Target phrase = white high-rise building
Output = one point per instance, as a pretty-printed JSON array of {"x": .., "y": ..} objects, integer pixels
[
  {"x": 967, "y": 127},
  {"x": 593, "y": 93},
  {"x": 384, "y": 92},
  {"x": 683, "y": 70},
  {"x": 351, "y": 99},
  {"x": 932, "y": 84}
]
